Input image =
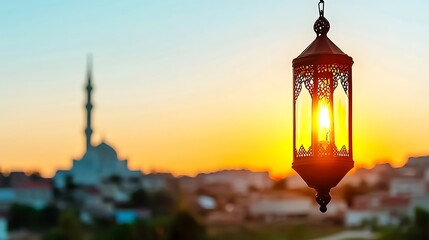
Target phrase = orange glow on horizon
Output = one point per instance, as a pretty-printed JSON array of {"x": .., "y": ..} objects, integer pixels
[{"x": 211, "y": 101}]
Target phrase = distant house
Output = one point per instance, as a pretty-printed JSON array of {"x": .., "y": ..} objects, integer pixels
[
  {"x": 156, "y": 181},
  {"x": 380, "y": 208},
  {"x": 35, "y": 194},
  {"x": 408, "y": 186},
  {"x": 241, "y": 181},
  {"x": 381, "y": 173},
  {"x": 188, "y": 185},
  {"x": 272, "y": 206},
  {"x": 418, "y": 162},
  {"x": 23, "y": 189},
  {"x": 17, "y": 179},
  {"x": 93, "y": 202},
  {"x": 115, "y": 192},
  {"x": 356, "y": 218}
]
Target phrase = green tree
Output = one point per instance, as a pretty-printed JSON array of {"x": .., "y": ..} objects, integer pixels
[
  {"x": 50, "y": 216},
  {"x": 21, "y": 216},
  {"x": 141, "y": 230},
  {"x": 162, "y": 203},
  {"x": 69, "y": 228},
  {"x": 185, "y": 226},
  {"x": 420, "y": 229},
  {"x": 139, "y": 199}
]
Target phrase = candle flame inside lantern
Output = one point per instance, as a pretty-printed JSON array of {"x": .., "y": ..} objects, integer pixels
[{"x": 324, "y": 119}]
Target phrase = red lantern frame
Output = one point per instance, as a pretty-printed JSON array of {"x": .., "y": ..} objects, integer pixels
[{"x": 323, "y": 69}]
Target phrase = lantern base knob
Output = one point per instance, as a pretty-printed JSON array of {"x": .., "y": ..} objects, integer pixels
[{"x": 323, "y": 198}]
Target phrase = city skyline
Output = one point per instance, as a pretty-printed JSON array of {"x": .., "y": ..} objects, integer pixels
[{"x": 195, "y": 87}]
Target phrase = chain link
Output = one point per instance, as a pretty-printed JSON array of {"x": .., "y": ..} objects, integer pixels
[{"x": 322, "y": 7}]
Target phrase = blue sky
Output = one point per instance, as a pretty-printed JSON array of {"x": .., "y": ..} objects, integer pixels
[{"x": 172, "y": 70}]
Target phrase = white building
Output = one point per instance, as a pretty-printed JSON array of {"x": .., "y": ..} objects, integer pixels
[
  {"x": 378, "y": 208},
  {"x": 418, "y": 202},
  {"x": 114, "y": 192},
  {"x": 36, "y": 195},
  {"x": 270, "y": 206},
  {"x": 99, "y": 162},
  {"x": 371, "y": 177},
  {"x": 355, "y": 218},
  {"x": 408, "y": 186},
  {"x": 156, "y": 181},
  {"x": 241, "y": 181}
]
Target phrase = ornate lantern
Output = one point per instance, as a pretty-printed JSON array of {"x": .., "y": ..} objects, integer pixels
[{"x": 322, "y": 124}]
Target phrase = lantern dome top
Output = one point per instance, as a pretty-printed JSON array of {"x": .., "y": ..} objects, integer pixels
[{"x": 322, "y": 46}]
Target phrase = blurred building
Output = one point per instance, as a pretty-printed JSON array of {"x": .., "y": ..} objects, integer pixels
[
  {"x": 376, "y": 176},
  {"x": 409, "y": 186},
  {"x": 20, "y": 188},
  {"x": 188, "y": 185},
  {"x": 241, "y": 181},
  {"x": 279, "y": 205},
  {"x": 407, "y": 189},
  {"x": 296, "y": 182},
  {"x": 154, "y": 182},
  {"x": 98, "y": 162},
  {"x": 35, "y": 194},
  {"x": 379, "y": 208}
]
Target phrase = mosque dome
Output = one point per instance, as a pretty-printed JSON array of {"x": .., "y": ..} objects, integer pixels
[{"x": 105, "y": 151}]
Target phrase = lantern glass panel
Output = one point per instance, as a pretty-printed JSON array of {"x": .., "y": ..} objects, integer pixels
[
  {"x": 341, "y": 118},
  {"x": 324, "y": 114},
  {"x": 303, "y": 119}
]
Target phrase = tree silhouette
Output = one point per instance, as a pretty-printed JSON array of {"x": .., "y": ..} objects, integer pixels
[{"x": 186, "y": 226}]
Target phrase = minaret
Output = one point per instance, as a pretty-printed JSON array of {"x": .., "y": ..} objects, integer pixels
[{"x": 88, "y": 106}]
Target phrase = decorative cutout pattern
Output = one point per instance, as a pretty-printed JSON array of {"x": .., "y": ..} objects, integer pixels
[
  {"x": 304, "y": 153},
  {"x": 343, "y": 152},
  {"x": 303, "y": 74},
  {"x": 331, "y": 149},
  {"x": 324, "y": 90},
  {"x": 339, "y": 73}
]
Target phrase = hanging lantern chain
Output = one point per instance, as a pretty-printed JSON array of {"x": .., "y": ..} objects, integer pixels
[{"x": 322, "y": 8}]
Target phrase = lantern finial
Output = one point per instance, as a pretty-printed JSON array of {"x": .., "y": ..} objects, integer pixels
[{"x": 323, "y": 198}]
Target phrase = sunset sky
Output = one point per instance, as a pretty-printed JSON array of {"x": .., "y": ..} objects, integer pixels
[{"x": 189, "y": 86}]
